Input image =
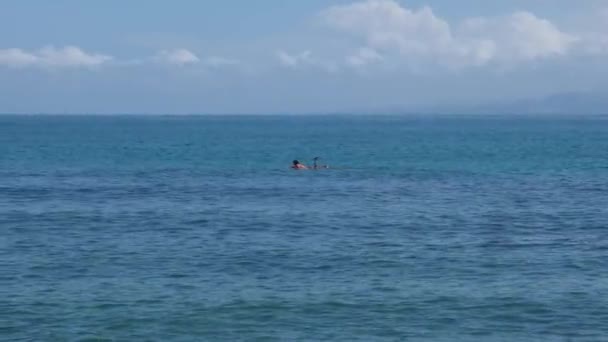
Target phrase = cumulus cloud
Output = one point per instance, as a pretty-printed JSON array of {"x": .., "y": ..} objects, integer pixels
[
  {"x": 519, "y": 36},
  {"x": 388, "y": 27},
  {"x": 180, "y": 57},
  {"x": 384, "y": 23},
  {"x": 51, "y": 57}
]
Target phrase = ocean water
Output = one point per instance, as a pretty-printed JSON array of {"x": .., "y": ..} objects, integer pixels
[{"x": 425, "y": 228}]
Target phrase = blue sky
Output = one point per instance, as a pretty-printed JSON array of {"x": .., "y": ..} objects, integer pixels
[{"x": 277, "y": 56}]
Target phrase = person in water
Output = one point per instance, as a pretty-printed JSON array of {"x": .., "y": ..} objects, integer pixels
[{"x": 298, "y": 166}]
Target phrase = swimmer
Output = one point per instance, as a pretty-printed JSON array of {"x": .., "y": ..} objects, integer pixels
[{"x": 298, "y": 166}]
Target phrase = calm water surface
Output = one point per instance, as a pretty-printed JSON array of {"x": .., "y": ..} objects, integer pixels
[{"x": 129, "y": 228}]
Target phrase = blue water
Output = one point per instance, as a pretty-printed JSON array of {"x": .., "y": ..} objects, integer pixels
[{"x": 434, "y": 228}]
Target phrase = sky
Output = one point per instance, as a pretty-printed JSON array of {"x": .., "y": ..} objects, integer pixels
[{"x": 279, "y": 56}]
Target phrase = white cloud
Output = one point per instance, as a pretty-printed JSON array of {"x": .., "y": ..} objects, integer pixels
[
  {"x": 291, "y": 60},
  {"x": 73, "y": 57},
  {"x": 51, "y": 57},
  {"x": 16, "y": 58},
  {"x": 183, "y": 57},
  {"x": 389, "y": 28},
  {"x": 519, "y": 36},
  {"x": 384, "y": 24},
  {"x": 180, "y": 57},
  {"x": 363, "y": 57}
]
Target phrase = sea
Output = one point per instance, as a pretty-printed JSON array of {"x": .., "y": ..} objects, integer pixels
[{"x": 194, "y": 228}]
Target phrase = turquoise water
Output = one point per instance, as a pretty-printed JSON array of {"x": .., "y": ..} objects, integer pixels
[{"x": 194, "y": 229}]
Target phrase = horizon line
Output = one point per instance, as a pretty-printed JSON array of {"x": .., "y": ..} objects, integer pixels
[{"x": 354, "y": 113}]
